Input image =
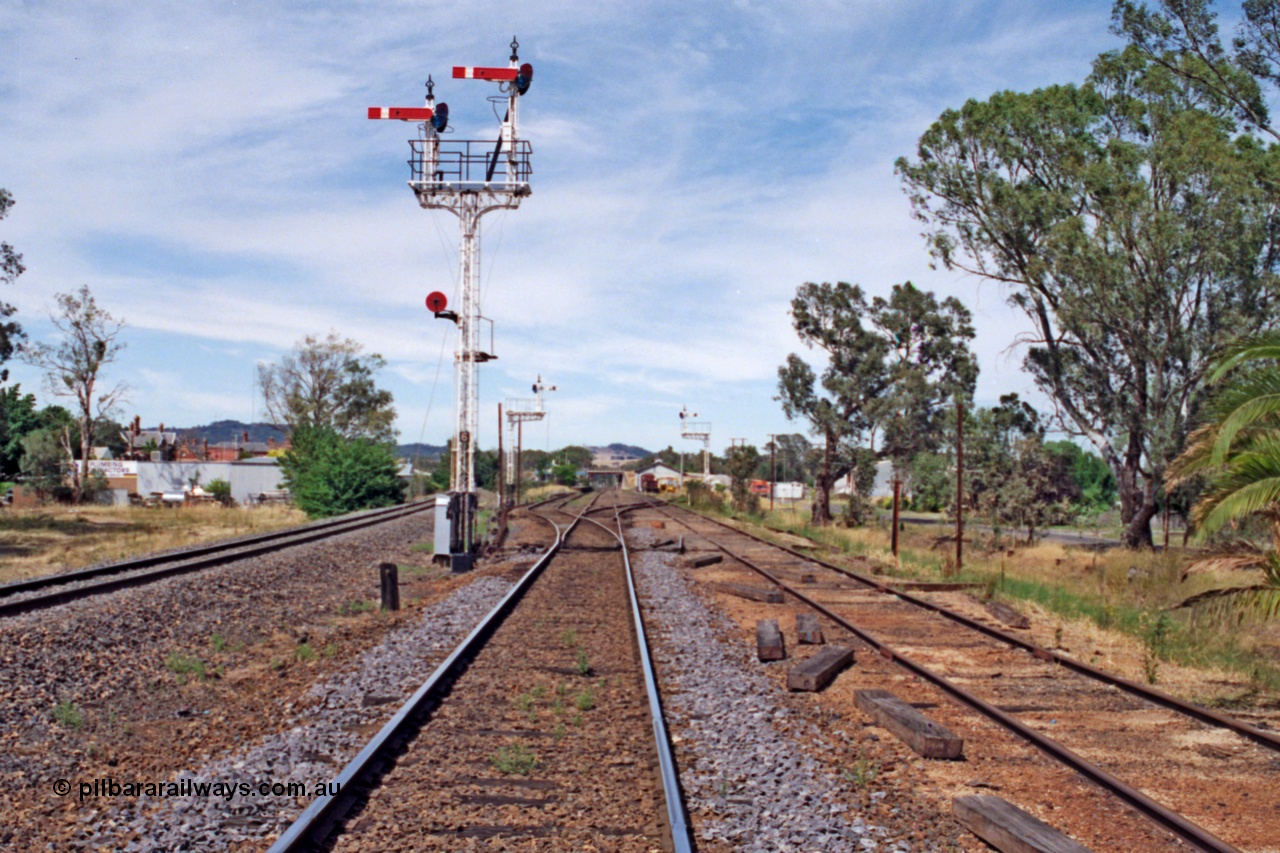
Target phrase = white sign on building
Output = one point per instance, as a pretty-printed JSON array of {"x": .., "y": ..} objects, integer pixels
[{"x": 114, "y": 467}]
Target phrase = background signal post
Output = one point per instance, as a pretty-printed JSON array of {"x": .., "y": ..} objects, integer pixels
[
  {"x": 695, "y": 430},
  {"x": 518, "y": 412},
  {"x": 468, "y": 178}
]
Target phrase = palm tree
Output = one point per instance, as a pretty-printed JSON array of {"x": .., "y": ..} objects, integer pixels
[{"x": 1237, "y": 452}]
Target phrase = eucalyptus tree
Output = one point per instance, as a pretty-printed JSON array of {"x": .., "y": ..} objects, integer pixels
[
  {"x": 829, "y": 318},
  {"x": 73, "y": 367},
  {"x": 1182, "y": 37},
  {"x": 790, "y": 451},
  {"x": 329, "y": 383},
  {"x": 1133, "y": 226},
  {"x": 892, "y": 364},
  {"x": 740, "y": 464},
  {"x": 929, "y": 365},
  {"x": 10, "y": 268}
]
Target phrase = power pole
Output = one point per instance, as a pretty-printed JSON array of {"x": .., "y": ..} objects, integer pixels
[
  {"x": 897, "y": 492},
  {"x": 959, "y": 485},
  {"x": 773, "y": 477},
  {"x": 502, "y": 465},
  {"x": 465, "y": 179}
]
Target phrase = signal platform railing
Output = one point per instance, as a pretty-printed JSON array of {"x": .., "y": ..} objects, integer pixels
[{"x": 469, "y": 161}]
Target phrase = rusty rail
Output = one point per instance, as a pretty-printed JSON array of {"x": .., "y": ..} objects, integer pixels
[{"x": 1194, "y": 834}]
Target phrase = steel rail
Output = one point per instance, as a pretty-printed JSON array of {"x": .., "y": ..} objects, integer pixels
[
  {"x": 184, "y": 562},
  {"x": 1269, "y": 740},
  {"x": 1176, "y": 823},
  {"x": 318, "y": 820},
  {"x": 677, "y": 816}
]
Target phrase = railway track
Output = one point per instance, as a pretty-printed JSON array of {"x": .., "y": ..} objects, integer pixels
[
  {"x": 542, "y": 728},
  {"x": 1204, "y": 778},
  {"x": 52, "y": 590}
]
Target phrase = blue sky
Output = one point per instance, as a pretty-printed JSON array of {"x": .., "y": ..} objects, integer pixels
[{"x": 208, "y": 170}]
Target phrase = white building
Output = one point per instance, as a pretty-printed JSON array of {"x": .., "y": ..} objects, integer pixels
[{"x": 883, "y": 487}]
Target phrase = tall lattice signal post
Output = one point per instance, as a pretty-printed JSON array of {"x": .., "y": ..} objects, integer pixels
[
  {"x": 697, "y": 431},
  {"x": 468, "y": 178},
  {"x": 518, "y": 412}
]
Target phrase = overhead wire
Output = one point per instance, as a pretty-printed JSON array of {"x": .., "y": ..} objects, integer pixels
[{"x": 449, "y": 259}]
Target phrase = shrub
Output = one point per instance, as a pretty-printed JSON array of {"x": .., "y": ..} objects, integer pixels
[
  {"x": 702, "y": 498},
  {"x": 219, "y": 489},
  {"x": 330, "y": 475}
]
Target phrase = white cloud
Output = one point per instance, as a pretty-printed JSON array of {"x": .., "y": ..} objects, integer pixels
[{"x": 208, "y": 171}]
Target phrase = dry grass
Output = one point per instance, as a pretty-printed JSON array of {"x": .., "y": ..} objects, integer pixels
[
  {"x": 1118, "y": 592},
  {"x": 55, "y": 539}
]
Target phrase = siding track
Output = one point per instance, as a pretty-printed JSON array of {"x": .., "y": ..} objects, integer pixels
[
  {"x": 1104, "y": 728},
  {"x": 52, "y": 590}
]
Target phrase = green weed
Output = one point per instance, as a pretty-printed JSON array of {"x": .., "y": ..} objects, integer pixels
[
  {"x": 67, "y": 714},
  {"x": 862, "y": 772},
  {"x": 184, "y": 666},
  {"x": 353, "y": 608},
  {"x": 516, "y": 759}
]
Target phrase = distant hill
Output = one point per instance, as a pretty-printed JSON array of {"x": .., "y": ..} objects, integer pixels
[
  {"x": 629, "y": 450},
  {"x": 229, "y": 431},
  {"x": 235, "y": 430},
  {"x": 414, "y": 451}
]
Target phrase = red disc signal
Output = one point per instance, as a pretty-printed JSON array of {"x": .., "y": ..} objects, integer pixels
[{"x": 437, "y": 301}]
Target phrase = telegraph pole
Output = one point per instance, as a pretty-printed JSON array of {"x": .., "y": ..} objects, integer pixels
[
  {"x": 773, "y": 475},
  {"x": 897, "y": 493},
  {"x": 502, "y": 464},
  {"x": 959, "y": 485}
]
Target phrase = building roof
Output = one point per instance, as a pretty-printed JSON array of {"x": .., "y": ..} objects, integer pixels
[
  {"x": 658, "y": 469},
  {"x": 143, "y": 438}
]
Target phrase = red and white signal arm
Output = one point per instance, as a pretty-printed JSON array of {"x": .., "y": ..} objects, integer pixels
[
  {"x": 476, "y": 72},
  {"x": 402, "y": 113},
  {"x": 437, "y": 301}
]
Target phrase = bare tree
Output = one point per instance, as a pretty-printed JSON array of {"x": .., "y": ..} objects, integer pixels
[
  {"x": 329, "y": 383},
  {"x": 73, "y": 367}
]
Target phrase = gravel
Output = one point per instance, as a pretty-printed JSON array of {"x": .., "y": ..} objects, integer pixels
[
  {"x": 174, "y": 557},
  {"x": 749, "y": 785},
  {"x": 318, "y": 743}
]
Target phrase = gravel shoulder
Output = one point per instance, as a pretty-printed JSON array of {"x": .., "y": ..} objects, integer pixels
[
  {"x": 155, "y": 682},
  {"x": 764, "y": 769}
]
